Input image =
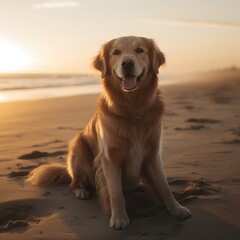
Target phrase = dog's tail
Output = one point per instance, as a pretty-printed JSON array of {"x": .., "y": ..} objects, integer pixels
[{"x": 45, "y": 175}]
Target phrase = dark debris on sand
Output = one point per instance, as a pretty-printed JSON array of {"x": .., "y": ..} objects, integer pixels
[
  {"x": 192, "y": 127},
  {"x": 193, "y": 189},
  {"x": 222, "y": 99},
  {"x": 70, "y": 128},
  {"x": 189, "y": 107},
  {"x": 31, "y": 167},
  {"x": 234, "y": 141},
  {"x": 17, "y": 174},
  {"x": 202, "y": 120},
  {"x": 38, "y": 154},
  {"x": 22, "y": 172},
  {"x": 235, "y": 131}
]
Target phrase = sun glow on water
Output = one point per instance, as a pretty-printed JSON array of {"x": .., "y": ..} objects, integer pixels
[
  {"x": 2, "y": 98},
  {"x": 12, "y": 57}
]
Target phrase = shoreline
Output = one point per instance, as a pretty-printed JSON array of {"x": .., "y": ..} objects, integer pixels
[{"x": 48, "y": 93}]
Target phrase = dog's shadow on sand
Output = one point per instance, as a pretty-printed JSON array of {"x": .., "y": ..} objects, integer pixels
[{"x": 139, "y": 204}]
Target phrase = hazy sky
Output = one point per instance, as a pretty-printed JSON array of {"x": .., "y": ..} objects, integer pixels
[{"x": 64, "y": 35}]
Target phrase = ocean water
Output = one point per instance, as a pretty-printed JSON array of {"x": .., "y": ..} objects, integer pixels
[{"x": 33, "y": 87}]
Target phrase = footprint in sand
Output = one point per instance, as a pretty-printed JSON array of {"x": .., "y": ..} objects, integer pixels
[
  {"x": 189, "y": 107},
  {"x": 16, "y": 214},
  {"x": 235, "y": 131},
  {"x": 222, "y": 99}
]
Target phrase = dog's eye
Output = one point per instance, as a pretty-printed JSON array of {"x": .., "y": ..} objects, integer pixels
[
  {"x": 139, "y": 50},
  {"x": 116, "y": 52}
]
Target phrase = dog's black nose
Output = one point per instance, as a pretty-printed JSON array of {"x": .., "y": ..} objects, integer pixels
[{"x": 127, "y": 64}]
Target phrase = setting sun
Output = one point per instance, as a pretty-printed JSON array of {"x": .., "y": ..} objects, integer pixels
[{"x": 12, "y": 57}]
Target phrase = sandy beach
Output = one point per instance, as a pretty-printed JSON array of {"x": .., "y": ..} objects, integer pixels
[{"x": 201, "y": 157}]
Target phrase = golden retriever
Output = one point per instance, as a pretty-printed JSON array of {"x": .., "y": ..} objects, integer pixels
[{"x": 120, "y": 146}]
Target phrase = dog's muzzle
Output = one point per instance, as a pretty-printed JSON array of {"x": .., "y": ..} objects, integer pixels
[{"x": 130, "y": 81}]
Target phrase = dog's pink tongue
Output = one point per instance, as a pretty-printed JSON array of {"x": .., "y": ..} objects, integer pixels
[{"x": 129, "y": 83}]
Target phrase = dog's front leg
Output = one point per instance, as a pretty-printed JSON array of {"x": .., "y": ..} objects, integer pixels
[
  {"x": 112, "y": 173},
  {"x": 156, "y": 183}
]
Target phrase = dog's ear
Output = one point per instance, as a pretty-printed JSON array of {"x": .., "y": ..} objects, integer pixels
[
  {"x": 157, "y": 57},
  {"x": 99, "y": 63}
]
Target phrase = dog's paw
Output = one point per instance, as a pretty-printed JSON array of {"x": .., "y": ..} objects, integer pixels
[
  {"x": 181, "y": 212},
  {"x": 119, "y": 222},
  {"x": 82, "y": 194}
]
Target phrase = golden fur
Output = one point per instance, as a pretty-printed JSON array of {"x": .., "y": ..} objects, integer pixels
[{"x": 120, "y": 146}]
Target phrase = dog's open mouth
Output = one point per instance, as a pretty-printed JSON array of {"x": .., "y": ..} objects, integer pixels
[{"x": 130, "y": 82}]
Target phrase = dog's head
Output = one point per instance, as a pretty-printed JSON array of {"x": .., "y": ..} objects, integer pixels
[{"x": 129, "y": 60}]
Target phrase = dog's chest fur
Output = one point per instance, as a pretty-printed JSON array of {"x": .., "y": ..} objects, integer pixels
[{"x": 129, "y": 141}]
